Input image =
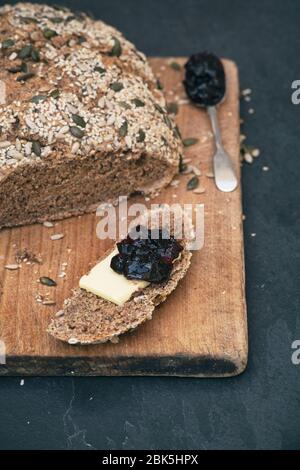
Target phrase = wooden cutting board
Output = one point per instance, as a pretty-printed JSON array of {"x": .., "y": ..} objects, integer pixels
[{"x": 201, "y": 330}]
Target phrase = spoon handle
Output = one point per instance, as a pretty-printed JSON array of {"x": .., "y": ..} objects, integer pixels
[{"x": 225, "y": 178}]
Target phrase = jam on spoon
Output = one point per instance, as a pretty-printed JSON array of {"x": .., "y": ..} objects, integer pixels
[
  {"x": 148, "y": 258},
  {"x": 205, "y": 85},
  {"x": 205, "y": 79}
]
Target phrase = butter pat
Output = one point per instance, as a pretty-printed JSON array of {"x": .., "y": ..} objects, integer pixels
[{"x": 104, "y": 282}]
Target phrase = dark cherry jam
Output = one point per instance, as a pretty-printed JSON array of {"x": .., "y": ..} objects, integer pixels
[
  {"x": 205, "y": 79},
  {"x": 149, "y": 257}
]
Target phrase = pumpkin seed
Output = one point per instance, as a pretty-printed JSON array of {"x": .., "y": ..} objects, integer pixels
[
  {"x": 36, "y": 148},
  {"x": 28, "y": 19},
  {"x": 49, "y": 33},
  {"x": 123, "y": 129},
  {"x": 124, "y": 105},
  {"x": 35, "y": 55},
  {"x": 7, "y": 43},
  {"x": 182, "y": 165},
  {"x": 159, "y": 108},
  {"x": 76, "y": 132},
  {"x": 192, "y": 183},
  {"x": 141, "y": 136},
  {"x": 189, "y": 141},
  {"x": 99, "y": 69},
  {"x": 159, "y": 85},
  {"x": 14, "y": 69},
  {"x": 172, "y": 108},
  {"x": 138, "y": 103},
  {"x": 78, "y": 120},
  {"x": 81, "y": 39},
  {"x": 25, "y": 76},
  {"x": 24, "y": 67},
  {"x": 116, "y": 49},
  {"x": 47, "y": 281},
  {"x": 116, "y": 86},
  {"x": 38, "y": 98},
  {"x": 54, "y": 94},
  {"x": 25, "y": 52},
  {"x": 176, "y": 132},
  {"x": 175, "y": 66},
  {"x": 168, "y": 121},
  {"x": 56, "y": 20}
]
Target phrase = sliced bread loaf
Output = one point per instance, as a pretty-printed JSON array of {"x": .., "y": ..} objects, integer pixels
[
  {"x": 82, "y": 118},
  {"x": 89, "y": 319}
]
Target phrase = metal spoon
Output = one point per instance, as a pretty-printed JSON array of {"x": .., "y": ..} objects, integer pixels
[
  {"x": 225, "y": 177},
  {"x": 205, "y": 84}
]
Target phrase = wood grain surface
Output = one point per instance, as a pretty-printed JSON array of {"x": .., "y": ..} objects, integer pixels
[{"x": 201, "y": 330}]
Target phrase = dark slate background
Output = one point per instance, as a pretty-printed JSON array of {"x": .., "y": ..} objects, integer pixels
[{"x": 261, "y": 408}]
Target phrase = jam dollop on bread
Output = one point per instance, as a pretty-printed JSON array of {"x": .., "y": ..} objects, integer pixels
[
  {"x": 205, "y": 79},
  {"x": 148, "y": 256}
]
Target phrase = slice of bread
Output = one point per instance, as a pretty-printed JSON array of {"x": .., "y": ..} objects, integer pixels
[{"x": 88, "y": 319}]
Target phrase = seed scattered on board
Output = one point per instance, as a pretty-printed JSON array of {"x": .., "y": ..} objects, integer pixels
[
  {"x": 48, "y": 224},
  {"x": 57, "y": 236},
  {"x": 12, "y": 267}
]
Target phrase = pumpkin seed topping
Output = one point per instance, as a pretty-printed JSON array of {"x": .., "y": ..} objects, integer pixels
[
  {"x": 116, "y": 51},
  {"x": 7, "y": 43},
  {"x": 168, "y": 121},
  {"x": 78, "y": 120},
  {"x": 182, "y": 165},
  {"x": 49, "y": 33},
  {"x": 123, "y": 129},
  {"x": 141, "y": 136},
  {"x": 99, "y": 69},
  {"x": 193, "y": 183},
  {"x": 56, "y": 20},
  {"x": 47, "y": 281},
  {"x": 138, "y": 103},
  {"x": 158, "y": 108},
  {"x": 116, "y": 86},
  {"x": 38, "y": 98},
  {"x": 24, "y": 67},
  {"x": 25, "y": 76},
  {"x": 172, "y": 108},
  {"x": 76, "y": 132},
  {"x": 28, "y": 19},
  {"x": 25, "y": 52},
  {"x": 14, "y": 69},
  {"x": 124, "y": 105},
  {"x": 54, "y": 93},
  {"x": 35, "y": 55},
  {"x": 159, "y": 85},
  {"x": 36, "y": 148},
  {"x": 189, "y": 141}
]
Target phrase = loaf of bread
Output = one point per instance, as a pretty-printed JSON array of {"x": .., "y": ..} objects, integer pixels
[
  {"x": 82, "y": 117},
  {"x": 89, "y": 319}
]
